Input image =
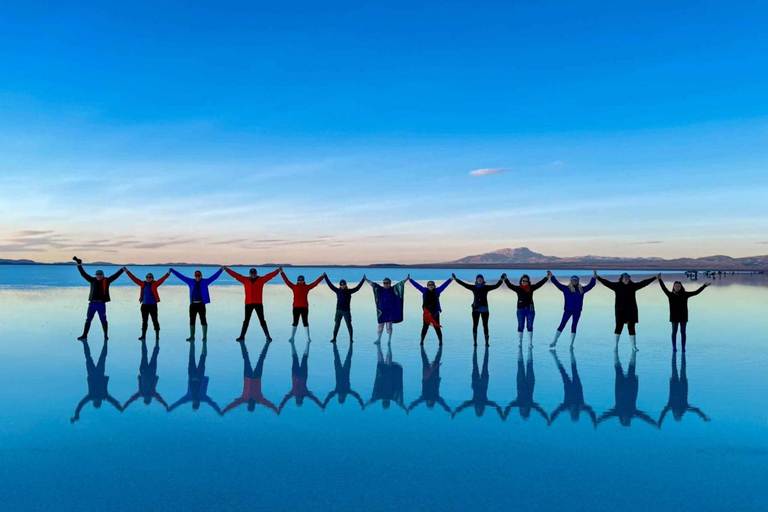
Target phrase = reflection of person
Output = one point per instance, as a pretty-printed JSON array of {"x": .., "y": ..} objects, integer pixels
[
  {"x": 480, "y": 381},
  {"x": 97, "y": 298},
  {"x": 525, "y": 310},
  {"x": 299, "y": 376},
  {"x": 148, "y": 297},
  {"x": 430, "y": 382},
  {"x": 198, "y": 298},
  {"x": 678, "y": 394},
  {"x": 388, "y": 385},
  {"x": 389, "y": 304},
  {"x": 147, "y": 377},
  {"x": 573, "y": 294},
  {"x": 254, "y": 301},
  {"x": 526, "y": 381},
  {"x": 343, "y": 385},
  {"x": 573, "y": 394},
  {"x": 197, "y": 381},
  {"x": 252, "y": 394},
  {"x": 97, "y": 382},
  {"x": 343, "y": 305},
  {"x": 625, "y": 390},
  {"x": 431, "y": 307},
  {"x": 625, "y": 305},
  {"x": 678, "y": 308},
  {"x": 300, "y": 301},
  {"x": 480, "y": 309}
]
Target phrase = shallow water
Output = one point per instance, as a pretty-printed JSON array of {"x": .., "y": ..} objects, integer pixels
[{"x": 339, "y": 456}]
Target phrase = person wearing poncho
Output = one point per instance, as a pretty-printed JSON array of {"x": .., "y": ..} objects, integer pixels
[{"x": 389, "y": 304}]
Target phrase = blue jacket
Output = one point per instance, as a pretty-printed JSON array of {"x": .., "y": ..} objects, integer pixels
[
  {"x": 574, "y": 301},
  {"x": 431, "y": 300},
  {"x": 203, "y": 284}
]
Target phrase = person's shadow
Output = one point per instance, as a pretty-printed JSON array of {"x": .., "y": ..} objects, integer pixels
[
  {"x": 573, "y": 393},
  {"x": 98, "y": 382},
  {"x": 147, "y": 377},
  {"x": 625, "y": 390},
  {"x": 430, "y": 382},
  {"x": 526, "y": 381},
  {"x": 678, "y": 394},
  {"x": 197, "y": 381},
  {"x": 252, "y": 394},
  {"x": 388, "y": 384},
  {"x": 480, "y": 381},
  {"x": 299, "y": 376},
  {"x": 343, "y": 383}
]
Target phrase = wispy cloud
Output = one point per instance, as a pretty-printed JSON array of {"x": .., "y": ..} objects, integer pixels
[
  {"x": 649, "y": 242},
  {"x": 486, "y": 172}
]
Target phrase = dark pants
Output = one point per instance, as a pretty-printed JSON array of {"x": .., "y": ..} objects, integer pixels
[
  {"x": 630, "y": 328},
  {"x": 302, "y": 313},
  {"x": 149, "y": 310},
  {"x": 342, "y": 314},
  {"x": 94, "y": 308},
  {"x": 567, "y": 316},
  {"x": 682, "y": 326},
  {"x": 259, "y": 309},
  {"x": 438, "y": 330},
  {"x": 476, "y": 316},
  {"x": 525, "y": 315},
  {"x": 197, "y": 308}
]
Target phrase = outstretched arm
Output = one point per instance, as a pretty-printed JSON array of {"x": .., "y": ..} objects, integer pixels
[
  {"x": 79, "y": 408},
  {"x": 84, "y": 273},
  {"x": 162, "y": 279},
  {"x": 510, "y": 285},
  {"x": 287, "y": 281},
  {"x": 285, "y": 401},
  {"x": 541, "y": 411},
  {"x": 538, "y": 285},
  {"x": 235, "y": 403},
  {"x": 316, "y": 281},
  {"x": 359, "y": 285},
  {"x": 183, "y": 278},
  {"x": 269, "y": 276},
  {"x": 607, "y": 283},
  {"x": 664, "y": 287},
  {"x": 238, "y": 277},
  {"x": 558, "y": 284},
  {"x": 330, "y": 284},
  {"x": 213, "y": 404},
  {"x": 132, "y": 399},
  {"x": 358, "y": 398},
  {"x": 698, "y": 412},
  {"x": 590, "y": 285},
  {"x": 644, "y": 282},
  {"x": 461, "y": 283},
  {"x": 415, "y": 403},
  {"x": 112, "y": 400},
  {"x": 328, "y": 398},
  {"x": 444, "y": 285},
  {"x": 461, "y": 407},
  {"x": 417, "y": 286},
  {"x": 159, "y": 398},
  {"x": 557, "y": 412},
  {"x": 214, "y": 276},
  {"x": 117, "y": 274},
  {"x": 133, "y": 277},
  {"x": 643, "y": 416},
  {"x": 700, "y": 289},
  {"x": 180, "y": 401},
  {"x": 663, "y": 413},
  {"x": 498, "y": 283}
]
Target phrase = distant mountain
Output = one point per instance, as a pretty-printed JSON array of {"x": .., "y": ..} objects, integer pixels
[
  {"x": 524, "y": 257},
  {"x": 4, "y": 261}
]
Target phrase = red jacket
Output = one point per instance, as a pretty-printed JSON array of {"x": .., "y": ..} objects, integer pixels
[
  {"x": 141, "y": 283},
  {"x": 254, "y": 288},
  {"x": 300, "y": 291}
]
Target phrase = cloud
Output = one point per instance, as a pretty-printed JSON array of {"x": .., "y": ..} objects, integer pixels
[
  {"x": 649, "y": 242},
  {"x": 486, "y": 172},
  {"x": 762, "y": 242},
  {"x": 557, "y": 163}
]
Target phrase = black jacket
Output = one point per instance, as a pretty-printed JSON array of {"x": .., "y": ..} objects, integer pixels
[
  {"x": 678, "y": 302},
  {"x": 99, "y": 289},
  {"x": 626, "y": 302},
  {"x": 525, "y": 298}
]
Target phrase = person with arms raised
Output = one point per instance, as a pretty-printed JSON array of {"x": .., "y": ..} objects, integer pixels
[
  {"x": 525, "y": 310},
  {"x": 431, "y": 306},
  {"x": 480, "y": 309},
  {"x": 625, "y": 304},
  {"x": 389, "y": 304},
  {"x": 254, "y": 301},
  {"x": 198, "y": 298},
  {"x": 300, "y": 301},
  {"x": 678, "y": 309},
  {"x": 343, "y": 305},
  {"x": 97, "y": 298},
  {"x": 573, "y": 294},
  {"x": 148, "y": 297}
]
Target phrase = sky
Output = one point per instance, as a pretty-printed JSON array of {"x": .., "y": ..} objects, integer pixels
[{"x": 340, "y": 132}]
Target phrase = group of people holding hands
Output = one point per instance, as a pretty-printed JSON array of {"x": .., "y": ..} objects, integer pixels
[{"x": 389, "y": 300}]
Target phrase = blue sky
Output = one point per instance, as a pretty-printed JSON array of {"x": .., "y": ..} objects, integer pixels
[{"x": 339, "y": 132}]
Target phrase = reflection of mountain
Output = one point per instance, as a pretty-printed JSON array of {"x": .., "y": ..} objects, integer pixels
[{"x": 524, "y": 257}]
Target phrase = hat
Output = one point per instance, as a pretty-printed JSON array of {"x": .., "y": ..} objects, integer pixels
[
  {"x": 575, "y": 278},
  {"x": 342, "y": 282},
  {"x": 625, "y": 276},
  {"x": 479, "y": 276},
  {"x": 252, "y": 271},
  {"x": 300, "y": 278},
  {"x": 99, "y": 272}
]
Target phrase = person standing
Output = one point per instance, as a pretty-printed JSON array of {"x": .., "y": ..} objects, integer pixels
[
  {"x": 97, "y": 298},
  {"x": 573, "y": 294},
  {"x": 254, "y": 292},
  {"x": 389, "y": 304},
  {"x": 431, "y": 306},
  {"x": 148, "y": 297},
  {"x": 343, "y": 305},
  {"x": 300, "y": 301},
  {"x": 198, "y": 298},
  {"x": 525, "y": 310},
  {"x": 480, "y": 309},
  {"x": 678, "y": 308},
  {"x": 625, "y": 304}
]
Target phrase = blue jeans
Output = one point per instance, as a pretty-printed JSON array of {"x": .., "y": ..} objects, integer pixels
[
  {"x": 97, "y": 307},
  {"x": 522, "y": 316}
]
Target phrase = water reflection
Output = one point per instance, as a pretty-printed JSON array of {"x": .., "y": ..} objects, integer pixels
[
  {"x": 626, "y": 389},
  {"x": 388, "y": 384},
  {"x": 197, "y": 381},
  {"x": 98, "y": 382},
  {"x": 147, "y": 377},
  {"x": 299, "y": 376},
  {"x": 343, "y": 384},
  {"x": 526, "y": 381},
  {"x": 573, "y": 393},
  {"x": 480, "y": 381},
  {"x": 430, "y": 382},
  {"x": 252, "y": 395},
  {"x": 678, "y": 394}
]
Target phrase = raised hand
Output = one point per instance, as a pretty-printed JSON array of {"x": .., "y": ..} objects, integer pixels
[
  {"x": 453, "y": 276},
  {"x": 658, "y": 276},
  {"x": 549, "y": 273},
  {"x": 594, "y": 273}
]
